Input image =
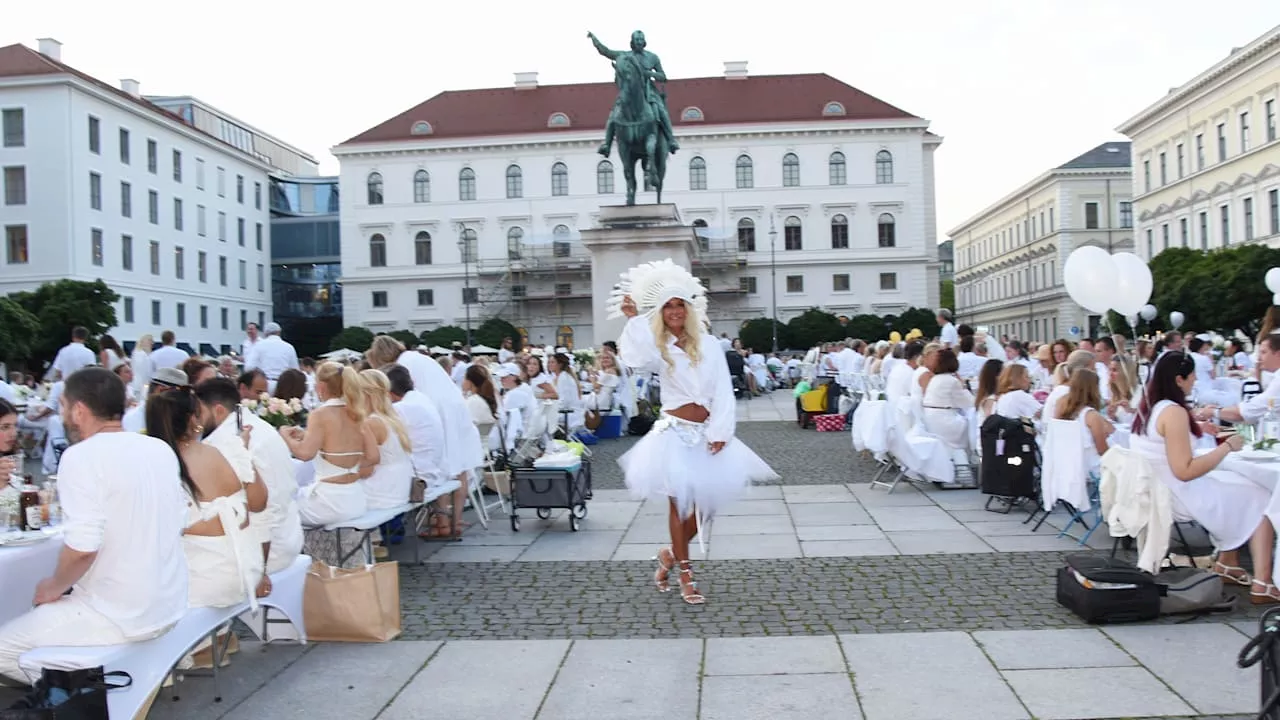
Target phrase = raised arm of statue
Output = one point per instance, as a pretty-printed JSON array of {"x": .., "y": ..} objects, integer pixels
[{"x": 600, "y": 48}]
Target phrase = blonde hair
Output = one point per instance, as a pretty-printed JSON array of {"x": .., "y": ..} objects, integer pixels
[
  {"x": 1011, "y": 377},
  {"x": 384, "y": 351},
  {"x": 1121, "y": 384},
  {"x": 145, "y": 342},
  {"x": 343, "y": 382},
  {"x": 1082, "y": 392},
  {"x": 689, "y": 338},
  {"x": 377, "y": 397}
]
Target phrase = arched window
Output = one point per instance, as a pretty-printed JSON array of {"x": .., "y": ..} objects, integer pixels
[
  {"x": 839, "y": 233},
  {"x": 560, "y": 241},
  {"x": 422, "y": 127},
  {"x": 792, "y": 234},
  {"x": 564, "y": 337},
  {"x": 887, "y": 232},
  {"x": 375, "y": 188},
  {"x": 746, "y": 235},
  {"x": 421, "y": 187},
  {"x": 833, "y": 108},
  {"x": 515, "y": 182},
  {"x": 467, "y": 184},
  {"x": 377, "y": 251},
  {"x": 468, "y": 245},
  {"x": 745, "y": 172},
  {"x": 422, "y": 248},
  {"x": 559, "y": 179},
  {"x": 836, "y": 174},
  {"x": 515, "y": 243},
  {"x": 697, "y": 174},
  {"x": 604, "y": 177},
  {"x": 700, "y": 232},
  {"x": 558, "y": 120},
  {"x": 790, "y": 170},
  {"x": 691, "y": 114},
  {"x": 884, "y": 167}
]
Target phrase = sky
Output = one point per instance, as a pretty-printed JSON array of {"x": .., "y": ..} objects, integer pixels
[{"x": 1013, "y": 86}]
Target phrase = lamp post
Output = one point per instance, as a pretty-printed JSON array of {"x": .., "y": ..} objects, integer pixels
[
  {"x": 464, "y": 248},
  {"x": 773, "y": 279}
]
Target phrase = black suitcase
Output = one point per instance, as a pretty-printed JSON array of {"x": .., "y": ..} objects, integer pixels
[
  {"x": 1101, "y": 589},
  {"x": 1263, "y": 647},
  {"x": 1010, "y": 458}
]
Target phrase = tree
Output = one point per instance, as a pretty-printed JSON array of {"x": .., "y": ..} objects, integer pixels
[
  {"x": 19, "y": 332},
  {"x": 352, "y": 338},
  {"x": 406, "y": 338},
  {"x": 866, "y": 327},
  {"x": 946, "y": 295},
  {"x": 758, "y": 333},
  {"x": 922, "y": 319},
  {"x": 65, "y": 304},
  {"x": 813, "y": 327},
  {"x": 444, "y": 336},
  {"x": 1221, "y": 290},
  {"x": 492, "y": 332}
]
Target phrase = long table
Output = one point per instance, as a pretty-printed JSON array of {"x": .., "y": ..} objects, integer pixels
[{"x": 21, "y": 569}]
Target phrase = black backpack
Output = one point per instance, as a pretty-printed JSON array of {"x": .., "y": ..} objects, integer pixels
[
  {"x": 643, "y": 420},
  {"x": 1010, "y": 458}
]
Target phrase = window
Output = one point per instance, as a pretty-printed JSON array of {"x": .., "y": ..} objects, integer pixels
[
  {"x": 240, "y": 231},
  {"x": 560, "y": 241},
  {"x": 1182, "y": 233},
  {"x": 836, "y": 171},
  {"x": 604, "y": 177},
  {"x": 200, "y": 221},
  {"x": 155, "y": 312},
  {"x": 1273, "y": 201},
  {"x": 244, "y": 280},
  {"x": 840, "y": 282},
  {"x": 126, "y": 199},
  {"x": 177, "y": 166},
  {"x": 222, "y": 182},
  {"x": 179, "y": 262},
  {"x": 746, "y": 235},
  {"x": 1164, "y": 236},
  {"x": 177, "y": 213},
  {"x": 199, "y": 174},
  {"x": 421, "y": 187},
  {"x": 257, "y": 196},
  {"x": 564, "y": 337},
  {"x": 744, "y": 172},
  {"x": 124, "y": 146},
  {"x": 1126, "y": 214},
  {"x": 257, "y": 236},
  {"x": 377, "y": 251},
  {"x": 839, "y": 233},
  {"x": 15, "y": 237},
  {"x": 182, "y": 314},
  {"x": 884, "y": 168},
  {"x": 1050, "y": 219},
  {"x": 379, "y": 298},
  {"x": 792, "y": 234},
  {"x": 1225, "y": 212},
  {"x": 95, "y": 137},
  {"x": 240, "y": 189},
  {"x": 374, "y": 184},
  {"x": 15, "y": 127},
  {"x": 222, "y": 270},
  {"x": 422, "y": 248},
  {"x": 1248, "y": 219},
  {"x": 1204, "y": 231},
  {"x": 97, "y": 252},
  {"x": 262, "y": 280},
  {"x": 470, "y": 295},
  {"x": 1244, "y": 132},
  {"x": 515, "y": 181},
  {"x": 888, "y": 281},
  {"x": 515, "y": 243},
  {"x": 153, "y": 156},
  {"x": 1222, "y": 142},
  {"x": 1146, "y": 176},
  {"x": 1199, "y": 151},
  {"x": 887, "y": 231},
  {"x": 1270, "y": 112},
  {"x": 126, "y": 252},
  {"x": 700, "y": 234},
  {"x": 426, "y": 297},
  {"x": 468, "y": 247},
  {"x": 697, "y": 174},
  {"x": 563, "y": 289},
  {"x": 204, "y": 316},
  {"x": 155, "y": 257},
  {"x": 153, "y": 207},
  {"x": 128, "y": 310},
  {"x": 223, "y": 313},
  {"x": 790, "y": 170},
  {"x": 202, "y": 266},
  {"x": 747, "y": 285},
  {"x": 795, "y": 283},
  {"x": 559, "y": 179},
  {"x": 95, "y": 191},
  {"x": 222, "y": 226},
  {"x": 1180, "y": 161},
  {"x": 467, "y": 184},
  {"x": 1091, "y": 216},
  {"x": 15, "y": 186}
]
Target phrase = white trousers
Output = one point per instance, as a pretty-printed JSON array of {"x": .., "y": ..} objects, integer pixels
[{"x": 69, "y": 622}]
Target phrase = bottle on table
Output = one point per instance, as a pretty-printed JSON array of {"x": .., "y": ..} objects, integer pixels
[
  {"x": 29, "y": 506},
  {"x": 1270, "y": 425}
]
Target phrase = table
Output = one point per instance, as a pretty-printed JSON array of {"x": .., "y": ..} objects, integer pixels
[{"x": 21, "y": 569}]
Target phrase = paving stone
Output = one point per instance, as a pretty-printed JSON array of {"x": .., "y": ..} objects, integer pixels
[
  {"x": 835, "y": 493},
  {"x": 752, "y": 525},
  {"x": 626, "y": 680},
  {"x": 1049, "y": 649},
  {"x": 773, "y": 655},
  {"x": 1006, "y": 528},
  {"x": 847, "y": 548},
  {"x": 462, "y": 552},
  {"x": 638, "y": 551},
  {"x": 772, "y": 697},
  {"x": 904, "y": 495},
  {"x": 1198, "y": 661},
  {"x": 912, "y": 519},
  {"x": 738, "y": 547},
  {"x": 252, "y": 668},
  {"x": 573, "y": 546},
  {"x": 843, "y": 513},
  {"x": 1026, "y": 543},
  {"x": 958, "y": 500},
  {"x": 609, "y": 515},
  {"x": 930, "y": 542},
  {"x": 523, "y": 669},
  {"x": 1081, "y": 693},
  {"x": 756, "y": 507},
  {"x": 807, "y": 533}
]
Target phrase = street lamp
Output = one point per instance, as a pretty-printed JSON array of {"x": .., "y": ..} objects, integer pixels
[
  {"x": 773, "y": 278},
  {"x": 464, "y": 247}
]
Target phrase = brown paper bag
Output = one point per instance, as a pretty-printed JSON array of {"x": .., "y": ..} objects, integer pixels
[
  {"x": 499, "y": 482},
  {"x": 360, "y": 605}
]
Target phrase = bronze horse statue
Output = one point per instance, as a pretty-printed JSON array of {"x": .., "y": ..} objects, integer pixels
[{"x": 639, "y": 137}]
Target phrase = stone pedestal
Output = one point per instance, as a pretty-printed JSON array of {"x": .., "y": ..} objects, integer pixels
[{"x": 628, "y": 236}]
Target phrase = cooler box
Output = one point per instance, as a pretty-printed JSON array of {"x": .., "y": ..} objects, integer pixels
[
  {"x": 829, "y": 423},
  {"x": 610, "y": 427}
]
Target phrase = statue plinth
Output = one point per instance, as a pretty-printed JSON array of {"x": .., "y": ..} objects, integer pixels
[{"x": 629, "y": 235}]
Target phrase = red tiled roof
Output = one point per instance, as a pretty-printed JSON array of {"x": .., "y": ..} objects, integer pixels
[{"x": 509, "y": 111}]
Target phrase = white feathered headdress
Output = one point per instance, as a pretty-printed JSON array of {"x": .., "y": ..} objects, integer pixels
[{"x": 652, "y": 284}]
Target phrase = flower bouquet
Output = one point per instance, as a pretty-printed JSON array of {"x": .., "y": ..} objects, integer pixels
[
  {"x": 276, "y": 411},
  {"x": 585, "y": 358}
]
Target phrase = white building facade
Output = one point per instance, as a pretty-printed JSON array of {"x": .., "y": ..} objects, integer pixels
[
  {"x": 1206, "y": 156},
  {"x": 99, "y": 183},
  {"x": 1009, "y": 257},
  {"x": 849, "y": 197}
]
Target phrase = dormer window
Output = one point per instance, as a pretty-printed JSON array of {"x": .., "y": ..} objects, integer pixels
[
  {"x": 558, "y": 120},
  {"x": 691, "y": 114},
  {"x": 422, "y": 127},
  {"x": 833, "y": 108}
]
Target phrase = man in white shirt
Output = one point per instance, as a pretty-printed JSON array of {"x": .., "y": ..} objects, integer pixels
[
  {"x": 272, "y": 355},
  {"x": 1104, "y": 348},
  {"x": 135, "y": 420},
  {"x": 948, "y": 335},
  {"x": 422, "y": 422},
  {"x": 124, "y": 510},
  {"x": 250, "y": 339},
  {"x": 970, "y": 361},
  {"x": 898, "y": 385},
  {"x": 517, "y": 399},
  {"x": 460, "y": 364},
  {"x": 168, "y": 355},
  {"x": 505, "y": 353},
  {"x": 73, "y": 355},
  {"x": 1251, "y": 410}
]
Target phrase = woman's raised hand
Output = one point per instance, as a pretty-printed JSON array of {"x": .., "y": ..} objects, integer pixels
[{"x": 628, "y": 307}]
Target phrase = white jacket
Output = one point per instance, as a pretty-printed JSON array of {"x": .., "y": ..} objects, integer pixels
[{"x": 1136, "y": 504}]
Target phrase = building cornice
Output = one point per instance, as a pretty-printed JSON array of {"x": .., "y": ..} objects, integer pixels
[{"x": 1039, "y": 183}]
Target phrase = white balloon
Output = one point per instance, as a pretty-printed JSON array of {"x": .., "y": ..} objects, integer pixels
[
  {"x": 1148, "y": 312},
  {"x": 1176, "y": 319},
  {"x": 1090, "y": 278},
  {"x": 1275, "y": 299},
  {"x": 1133, "y": 321},
  {"x": 1133, "y": 284},
  {"x": 1273, "y": 280}
]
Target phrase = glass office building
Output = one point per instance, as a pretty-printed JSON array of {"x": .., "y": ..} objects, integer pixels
[{"x": 305, "y": 261}]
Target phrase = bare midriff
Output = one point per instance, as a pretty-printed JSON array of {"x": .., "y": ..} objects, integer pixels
[{"x": 691, "y": 412}]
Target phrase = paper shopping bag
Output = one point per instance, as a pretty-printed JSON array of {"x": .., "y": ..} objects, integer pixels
[{"x": 359, "y": 605}]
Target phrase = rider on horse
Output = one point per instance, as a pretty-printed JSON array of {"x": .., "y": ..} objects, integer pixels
[{"x": 653, "y": 69}]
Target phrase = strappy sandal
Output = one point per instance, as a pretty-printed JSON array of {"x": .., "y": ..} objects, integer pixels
[
  {"x": 689, "y": 588},
  {"x": 1230, "y": 573},
  {"x": 662, "y": 576},
  {"x": 1270, "y": 593}
]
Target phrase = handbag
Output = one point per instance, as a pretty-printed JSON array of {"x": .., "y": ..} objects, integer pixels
[
  {"x": 591, "y": 419},
  {"x": 68, "y": 695},
  {"x": 358, "y": 605}
]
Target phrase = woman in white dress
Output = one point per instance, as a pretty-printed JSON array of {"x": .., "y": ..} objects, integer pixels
[
  {"x": 142, "y": 367},
  {"x": 387, "y": 484},
  {"x": 110, "y": 356},
  {"x": 1083, "y": 403},
  {"x": 945, "y": 400},
  {"x": 1230, "y": 507},
  {"x": 482, "y": 403},
  {"x": 538, "y": 379},
  {"x": 690, "y": 457},
  {"x": 567, "y": 390},
  {"x": 1015, "y": 399},
  {"x": 604, "y": 381}
]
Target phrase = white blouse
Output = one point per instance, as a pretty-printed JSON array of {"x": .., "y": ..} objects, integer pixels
[
  {"x": 1017, "y": 404},
  {"x": 707, "y": 384},
  {"x": 946, "y": 391}
]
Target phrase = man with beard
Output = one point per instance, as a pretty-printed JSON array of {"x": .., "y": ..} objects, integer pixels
[{"x": 122, "y": 558}]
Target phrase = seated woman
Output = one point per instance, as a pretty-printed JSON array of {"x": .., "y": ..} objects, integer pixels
[
  {"x": 944, "y": 402},
  {"x": 1016, "y": 400},
  {"x": 604, "y": 382},
  {"x": 291, "y": 385},
  {"x": 1231, "y": 508},
  {"x": 1083, "y": 403},
  {"x": 567, "y": 390},
  {"x": 387, "y": 484},
  {"x": 482, "y": 401},
  {"x": 341, "y": 442},
  {"x": 988, "y": 384},
  {"x": 224, "y": 559},
  {"x": 1120, "y": 406}
]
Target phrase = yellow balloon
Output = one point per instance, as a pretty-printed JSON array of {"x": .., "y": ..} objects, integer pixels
[{"x": 895, "y": 336}]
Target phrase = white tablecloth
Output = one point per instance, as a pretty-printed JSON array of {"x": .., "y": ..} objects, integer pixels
[{"x": 21, "y": 569}]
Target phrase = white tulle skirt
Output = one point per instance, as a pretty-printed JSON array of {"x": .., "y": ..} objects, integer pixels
[{"x": 674, "y": 461}]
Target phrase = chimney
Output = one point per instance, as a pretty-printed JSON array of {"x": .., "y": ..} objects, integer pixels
[
  {"x": 735, "y": 70},
  {"x": 133, "y": 87},
  {"x": 526, "y": 81},
  {"x": 50, "y": 48}
]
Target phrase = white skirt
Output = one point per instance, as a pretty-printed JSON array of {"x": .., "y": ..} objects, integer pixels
[
  {"x": 674, "y": 461},
  {"x": 323, "y": 503}
]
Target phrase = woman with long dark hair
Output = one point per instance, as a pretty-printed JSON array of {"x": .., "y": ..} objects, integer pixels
[
  {"x": 110, "y": 355},
  {"x": 1230, "y": 507},
  {"x": 8, "y": 441}
]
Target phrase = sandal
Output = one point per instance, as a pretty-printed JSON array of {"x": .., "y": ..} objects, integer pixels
[
  {"x": 1230, "y": 573},
  {"x": 661, "y": 577},
  {"x": 689, "y": 588},
  {"x": 1270, "y": 593}
]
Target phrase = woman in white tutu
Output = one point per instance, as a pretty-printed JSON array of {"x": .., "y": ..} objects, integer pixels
[{"x": 690, "y": 457}]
